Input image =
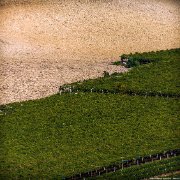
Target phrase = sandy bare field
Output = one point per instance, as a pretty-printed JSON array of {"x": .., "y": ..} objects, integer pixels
[{"x": 44, "y": 45}]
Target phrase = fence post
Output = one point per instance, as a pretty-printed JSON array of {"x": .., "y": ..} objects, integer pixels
[{"x": 128, "y": 163}]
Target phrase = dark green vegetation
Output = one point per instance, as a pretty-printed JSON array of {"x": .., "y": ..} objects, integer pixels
[
  {"x": 158, "y": 78},
  {"x": 138, "y": 59},
  {"x": 64, "y": 135}
]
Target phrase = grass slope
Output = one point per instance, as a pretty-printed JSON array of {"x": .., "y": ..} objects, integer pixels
[
  {"x": 158, "y": 77},
  {"x": 63, "y": 135}
]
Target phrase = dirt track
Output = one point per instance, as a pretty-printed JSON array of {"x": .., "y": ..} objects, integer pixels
[{"x": 45, "y": 45}]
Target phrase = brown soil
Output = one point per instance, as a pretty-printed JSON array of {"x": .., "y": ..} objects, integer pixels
[{"x": 44, "y": 45}]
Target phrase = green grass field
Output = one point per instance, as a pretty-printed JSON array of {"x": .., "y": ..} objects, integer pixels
[
  {"x": 66, "y": 134},
  {"x": 161, "y": 77}
]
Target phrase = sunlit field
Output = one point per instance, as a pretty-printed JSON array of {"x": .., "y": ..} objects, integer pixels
[{"x": 80, "y": 130}]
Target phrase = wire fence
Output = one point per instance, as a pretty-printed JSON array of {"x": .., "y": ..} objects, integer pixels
[
  {"x": 74, "y": 90},
  {"x": 125, "y": 164}
]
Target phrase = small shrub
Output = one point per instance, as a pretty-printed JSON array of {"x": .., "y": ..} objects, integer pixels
[
  {"x": 106, "y": 74},
  {"x": 124, "y": 56},
  {"x": 116, "y": 63},
  {"x": 132, "y": 62}
]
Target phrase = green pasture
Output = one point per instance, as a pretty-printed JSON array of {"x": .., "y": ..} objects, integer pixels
[{"x": 66, "y": 134}]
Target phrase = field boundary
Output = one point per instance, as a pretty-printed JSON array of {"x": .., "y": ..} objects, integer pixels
[
  {"x": 125, "y": 164},
  {"x": 70, "y": 90}
]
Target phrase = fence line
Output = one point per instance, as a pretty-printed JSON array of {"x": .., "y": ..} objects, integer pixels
[
  {"x": 74, "y": 90},
  {"x": 125, "y": 164}
]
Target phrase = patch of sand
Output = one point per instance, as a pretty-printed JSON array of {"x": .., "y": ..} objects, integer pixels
[
  {"x": 22, "y": 80},
  {"x": 44, "y": 45}
]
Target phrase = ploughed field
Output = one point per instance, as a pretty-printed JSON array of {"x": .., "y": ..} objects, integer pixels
[
  {"x": 44, "y": 44},
  {"x": 75, "y": 132}
]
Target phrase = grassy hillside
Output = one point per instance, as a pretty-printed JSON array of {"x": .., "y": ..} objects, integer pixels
[
  {"x": 67, "y": 134},
  {"x": 73, "y": 133},
  {"x": 160, "y": 77}
]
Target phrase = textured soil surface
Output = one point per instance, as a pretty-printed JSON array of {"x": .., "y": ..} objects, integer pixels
[{"x": 44, "y": 45}]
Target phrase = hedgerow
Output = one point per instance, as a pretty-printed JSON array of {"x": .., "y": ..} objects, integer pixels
[
  {"x": 137, "y": 161},
  {"x": 144, "y": 171}
]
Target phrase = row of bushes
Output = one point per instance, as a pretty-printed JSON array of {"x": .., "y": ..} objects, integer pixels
[
  {"x": 135, "y": 61},
  {"x": 126, "y": 164},
  {"x": 132, "y": 60},
  {"x": 119, "y": 91},
  {"x": 144, "y": 171}
]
